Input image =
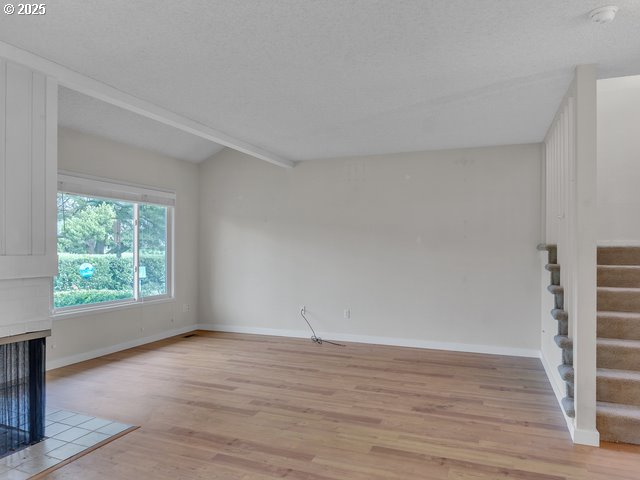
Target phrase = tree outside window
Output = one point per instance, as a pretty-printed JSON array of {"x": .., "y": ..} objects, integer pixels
[{"x": 97, "y": 251}]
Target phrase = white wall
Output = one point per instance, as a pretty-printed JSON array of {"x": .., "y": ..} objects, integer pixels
[
  {"x": 78, "y": 337},
  {"x": 427, "y": 249},
  {"x": 619, "y": 161}
]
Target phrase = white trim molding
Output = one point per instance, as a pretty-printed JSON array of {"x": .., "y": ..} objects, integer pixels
[
  {"x": 586, "y": 437},
  {"x": 558, "y": 391},
  {"x": 100, "y": 352},
  {"x": 106, "y": 188},
  {"x": 454, "y": 347},
  {"x": 368, "y": 339},
  {"x": 96, "y": 89}
]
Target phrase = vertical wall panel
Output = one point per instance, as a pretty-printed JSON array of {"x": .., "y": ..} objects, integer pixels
[
  {"x": 38, "y": 186},
  {"x": 560, "y": 192},
  {"x": 3, "y": 87},
  {"x": 18, "y": 160},
  {"x": 28, "y": 169},
  {"x": 51, "y": 176}
]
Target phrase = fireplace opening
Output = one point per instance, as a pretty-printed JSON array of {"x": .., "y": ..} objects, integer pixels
[{"x": 22, "y": 394}]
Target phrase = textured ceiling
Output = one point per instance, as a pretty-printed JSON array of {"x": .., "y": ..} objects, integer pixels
[
  {"x": 89, "y": 115},
  {"x": 321, "y": 78}
]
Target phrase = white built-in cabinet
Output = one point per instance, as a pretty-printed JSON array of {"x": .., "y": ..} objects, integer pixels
[{"x": 28, "y": 172}]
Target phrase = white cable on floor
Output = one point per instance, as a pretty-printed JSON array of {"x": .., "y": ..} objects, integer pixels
[{"x": 314, "y": 337}]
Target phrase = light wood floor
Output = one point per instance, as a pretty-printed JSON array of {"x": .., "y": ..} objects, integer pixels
[{"x": 226, "y": 406}]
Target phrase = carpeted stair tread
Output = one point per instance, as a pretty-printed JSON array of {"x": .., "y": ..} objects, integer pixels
[
  {"x": 619, "y": 299},
  {"x": 552, "y": 250},
  {"x": 556, "y": 289},
  {"x": 618, "y": 255},
  {"x": 563, "y": 320},
  {"x": 618, "y": 386},
  {"x": 552, "y": 267},
  {"x": 623, "y": 325},
  {"x": 618, "y": 423},
  {"x": 559, "y": 314},
  {"x": 563, "y": 341},
  {"x": 566, "y": 344},
  {"x": 619, "y": 354},
  {"x": 619, "y": 276},
  {"x": 568, "y": 406},
  {"x": 627, "y": 411},
  {"x": 614, "y": 374},
  {"x": 619, "y": 342},
  {"x": 622, "y": 315},
  {"x": 566, "y": 373}
]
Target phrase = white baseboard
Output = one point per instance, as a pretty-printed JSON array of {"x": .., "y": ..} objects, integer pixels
[
  {"x": 81, "y": 357},
  {"x": 399, "y": 342},
  {"x": 586, "y": 437},
  {"x": 396, "y": 342},
  {"x": 557, "y": 389}
]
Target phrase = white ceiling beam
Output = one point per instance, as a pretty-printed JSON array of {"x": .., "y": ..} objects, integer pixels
[{"x": 94, "y": 88}]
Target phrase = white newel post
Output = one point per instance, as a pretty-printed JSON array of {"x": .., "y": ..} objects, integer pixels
[{"x": 583, "y": 329}]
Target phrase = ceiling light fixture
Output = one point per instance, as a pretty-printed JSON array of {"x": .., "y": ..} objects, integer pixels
[{"x": 603, "y": 15}]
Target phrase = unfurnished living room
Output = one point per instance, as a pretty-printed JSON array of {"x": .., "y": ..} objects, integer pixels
[{"x": 320, "y": 240}]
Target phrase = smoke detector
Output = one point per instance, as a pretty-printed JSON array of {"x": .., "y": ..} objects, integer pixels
[{"x": 603, "y": 15}]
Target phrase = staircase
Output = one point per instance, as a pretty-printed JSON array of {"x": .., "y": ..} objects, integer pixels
[
  {"x": 618, "y": 377},
  {"x": 562, "y": 338},
  {"x": 618, "y": 343}
]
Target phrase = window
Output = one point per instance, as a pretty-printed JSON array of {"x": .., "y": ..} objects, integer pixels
[
  {"x": 111, "y": 251},
  {"x": 152, "y": 250}
]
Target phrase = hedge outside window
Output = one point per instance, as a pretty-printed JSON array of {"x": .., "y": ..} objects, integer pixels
[{"x": 110, "y": 251}]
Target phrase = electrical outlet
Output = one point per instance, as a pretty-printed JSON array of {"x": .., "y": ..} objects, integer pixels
[
  {"x": 347, "y": 313},
  {"x": 186, "y": 307}
]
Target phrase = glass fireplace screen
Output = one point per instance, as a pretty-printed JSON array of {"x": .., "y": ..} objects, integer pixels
[{"x": 22, "y": 394}]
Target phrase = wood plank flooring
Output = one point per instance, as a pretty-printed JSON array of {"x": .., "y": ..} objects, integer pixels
[{"x": 240, "y": 407}]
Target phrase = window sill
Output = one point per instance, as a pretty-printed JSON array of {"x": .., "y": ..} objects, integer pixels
[{"x": 98, "y": 309}]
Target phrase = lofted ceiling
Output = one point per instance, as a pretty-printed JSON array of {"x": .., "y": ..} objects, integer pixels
[
  {"x": 86, "y": 114},
  {"x": 308, "y": 79}
]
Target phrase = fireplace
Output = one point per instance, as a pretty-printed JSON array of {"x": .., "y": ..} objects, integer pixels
[{"x": 22, "y": 391}]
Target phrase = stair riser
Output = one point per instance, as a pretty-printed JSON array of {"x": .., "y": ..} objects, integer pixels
[
  {"x": 618, "y": 255},
  {"x": 618, "y": 429},
  {"x": 553, "y": 256},
  {"x": 555, "y": 278},
  {"x": 616, "y": 390},
  {"x": 617, "y": 357},
  {"x": 552, "y": 252},
  {"x": 613, "y": 327},
  {"x": 619, "y": 277},
  {"x": 618, "y": 301},
  {"x": 558, "y": 301},
  {"x": 567, "y": 356},
  {"x": 563, "y": 327},
  {"x": 568, "y": 407}
]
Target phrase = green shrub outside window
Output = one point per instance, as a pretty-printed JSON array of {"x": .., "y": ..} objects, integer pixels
[{"x": 96, "y": 251}]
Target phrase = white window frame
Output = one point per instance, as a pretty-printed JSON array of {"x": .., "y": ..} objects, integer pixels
[{"x": 94, "y": 187}]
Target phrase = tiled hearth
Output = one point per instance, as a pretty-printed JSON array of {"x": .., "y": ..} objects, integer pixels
[{"x": 66, "y": 434}]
